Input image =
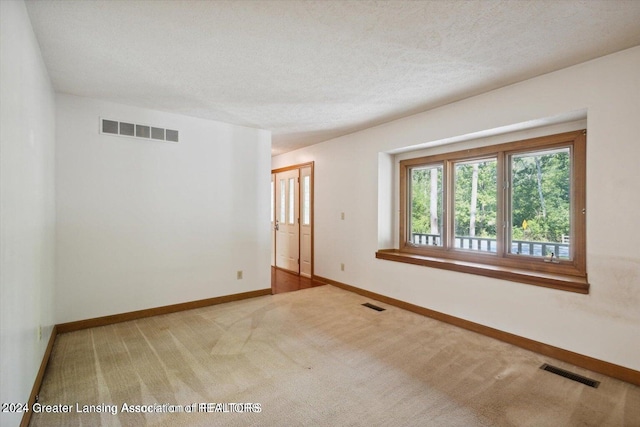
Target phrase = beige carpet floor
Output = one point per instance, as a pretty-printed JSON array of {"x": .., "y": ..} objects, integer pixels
[{"x": 316, "y": 357}]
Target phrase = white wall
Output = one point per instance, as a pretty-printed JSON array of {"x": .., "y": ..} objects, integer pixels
[
  {"x": 27, "y": 211},
  {"x": 142, "y": 224},
  {"x": 603, "y": 324}
]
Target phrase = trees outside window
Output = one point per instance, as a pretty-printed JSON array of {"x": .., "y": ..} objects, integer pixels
[
  {"x": 541, "y": 200},
  {"x": 475, "y": 204},
  {"x": 426, "y": 205}
]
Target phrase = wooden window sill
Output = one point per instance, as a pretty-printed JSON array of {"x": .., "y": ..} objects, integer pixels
[{"x": 548, "y": 280}]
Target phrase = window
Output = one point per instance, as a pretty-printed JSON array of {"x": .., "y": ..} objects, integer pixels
[
  {"x": 273, "y": 200},
  {"x": 475, "y": 204},
  {"x": 283, "y": 201},
  {"x": 292, "y": 200},
  {"x": 426, "y": 205},
  {"x": 514, "y": 211},
  {"x": 306, "y": 200},
  {"x": 540, "y": 214}
]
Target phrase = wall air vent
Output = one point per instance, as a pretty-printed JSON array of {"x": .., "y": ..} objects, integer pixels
[{"x": 113, "y": 127}]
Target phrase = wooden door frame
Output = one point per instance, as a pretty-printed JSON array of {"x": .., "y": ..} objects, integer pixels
[{"x": 300, "y": 166}]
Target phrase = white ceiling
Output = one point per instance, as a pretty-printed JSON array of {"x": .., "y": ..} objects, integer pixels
[{"x": 313, "y": 70}]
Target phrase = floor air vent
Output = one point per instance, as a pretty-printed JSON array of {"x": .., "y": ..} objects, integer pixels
[
  {"x": 570, "y": 375},
  {"x": 373, "y": 307}
]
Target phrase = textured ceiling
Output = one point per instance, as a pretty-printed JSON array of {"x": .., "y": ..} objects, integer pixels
[{"x": 312, "y": 70}]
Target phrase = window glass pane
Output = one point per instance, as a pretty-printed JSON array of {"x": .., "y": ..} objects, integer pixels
[
  {"x": 306, "y": 200},
  {"x": 426, "y": 205},
  {"x": 476, "y": 205},
  {"x": 292, "y": 189},
  {"x": 541, "y": 204},
  {"x": 283, "y": 201}
]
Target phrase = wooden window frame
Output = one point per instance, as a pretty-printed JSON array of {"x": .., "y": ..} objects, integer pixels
[{"x": 562, "y": 274}]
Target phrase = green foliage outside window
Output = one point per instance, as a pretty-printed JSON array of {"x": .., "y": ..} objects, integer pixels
[
  {"x": 540, "y": 194},
  {"x": 422, "y": 195},
  {"x": 486, "y": 199}
]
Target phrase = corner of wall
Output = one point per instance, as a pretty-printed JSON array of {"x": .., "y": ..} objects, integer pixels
[{"x": 27, "y": 261}]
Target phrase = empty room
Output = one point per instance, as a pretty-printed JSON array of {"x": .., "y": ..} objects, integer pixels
[{"x": 288, "y": 212}]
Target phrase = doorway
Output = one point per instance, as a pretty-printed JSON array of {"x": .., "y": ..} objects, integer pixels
[{"x": 292, "y": 220}]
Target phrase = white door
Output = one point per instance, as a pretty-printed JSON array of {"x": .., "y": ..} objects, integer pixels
[
  {"x": 305, "y": 221},
  {"x": 287, "y": 220},
  {"x": 273, "y": 219}
]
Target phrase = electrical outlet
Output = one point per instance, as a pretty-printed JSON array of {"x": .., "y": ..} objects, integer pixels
[
  {"x": 239, "y": 275},
  {"x": 341, "y": 266}
]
